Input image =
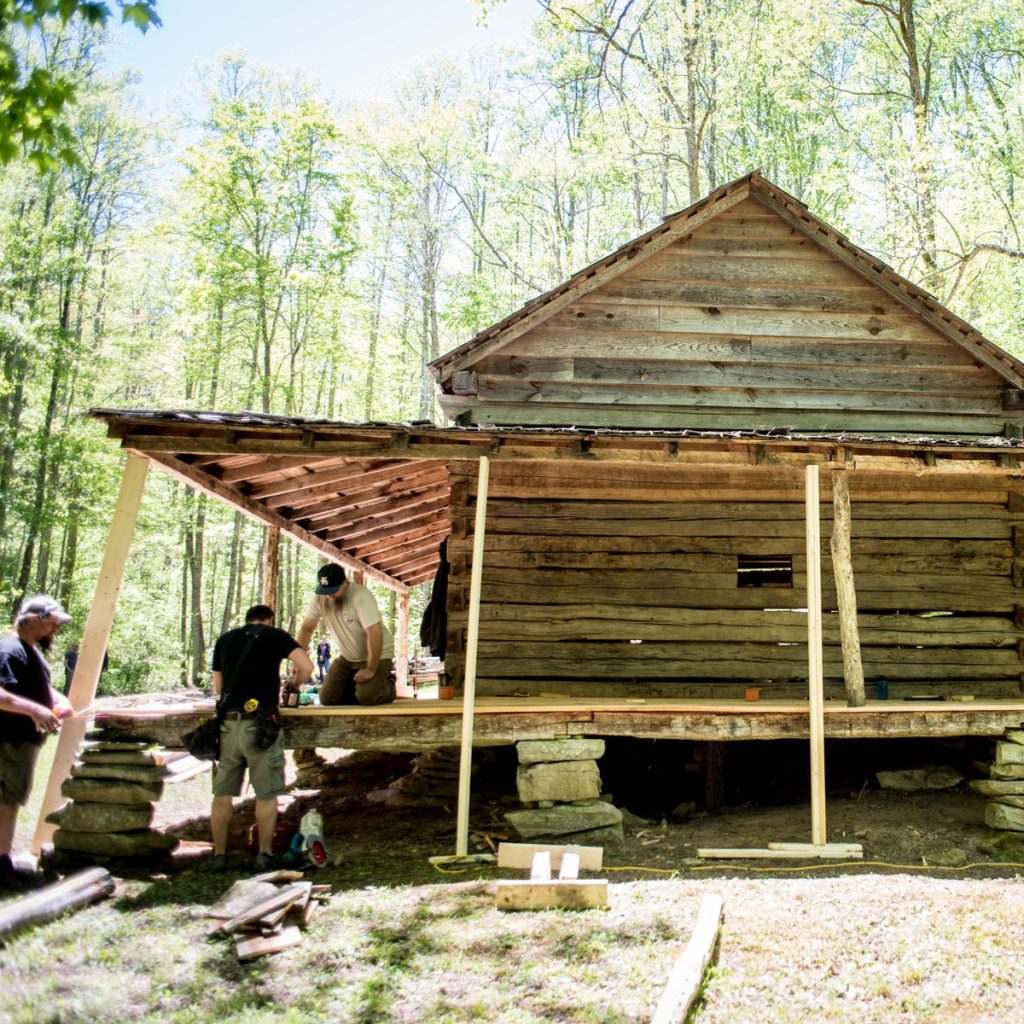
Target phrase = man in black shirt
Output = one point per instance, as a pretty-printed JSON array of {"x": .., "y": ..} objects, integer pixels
[
  {"x": 30, "y": 709},
  {"x": 246, "y": 678}
]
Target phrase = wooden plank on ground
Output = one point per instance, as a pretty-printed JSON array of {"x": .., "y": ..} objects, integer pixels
[
  {"x": 825, "y": 851},
  {"x": 687, "y": 973},
  {"x": 581, "y": 894},
  {"x": 250, "y": 948}
]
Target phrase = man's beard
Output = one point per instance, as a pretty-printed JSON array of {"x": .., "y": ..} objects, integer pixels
[{"x": 45, "y": 643}]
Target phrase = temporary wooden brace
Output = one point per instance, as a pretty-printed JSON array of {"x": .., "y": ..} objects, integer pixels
[
  {"x": 402, "y": 646},
  {"x": 846, "y": 593},
  {"x": 472, "y": 639},
  {"x": 271, "y": 564},
  {"x": 94, "y": 638},
  {"x": 815, "y": 657},
  {"x": 687, "y": 973}
]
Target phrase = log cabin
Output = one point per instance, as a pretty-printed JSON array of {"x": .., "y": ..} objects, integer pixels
[{"x": 633, "y": 492}]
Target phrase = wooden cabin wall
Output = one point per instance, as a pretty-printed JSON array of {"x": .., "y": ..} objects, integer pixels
[
  {"x": 748, "y": 323},
  {"x": 621, "y": 580}
]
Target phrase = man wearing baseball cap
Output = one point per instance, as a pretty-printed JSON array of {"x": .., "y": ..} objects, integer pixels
[
  {"x": 361, "y": 672},
  {"x": 30, "y": 709}
]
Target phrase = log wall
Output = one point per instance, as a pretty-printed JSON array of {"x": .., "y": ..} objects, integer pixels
[{"x": 622, "y": 579}]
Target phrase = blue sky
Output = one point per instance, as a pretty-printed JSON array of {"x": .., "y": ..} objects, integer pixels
[{"x": 356, "y": 48}]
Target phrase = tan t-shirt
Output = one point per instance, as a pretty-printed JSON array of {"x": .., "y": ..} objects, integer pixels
[{"x": 348, "y": 620}]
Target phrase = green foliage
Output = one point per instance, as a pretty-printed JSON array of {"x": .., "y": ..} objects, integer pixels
[{"x": 33, "y": 97}]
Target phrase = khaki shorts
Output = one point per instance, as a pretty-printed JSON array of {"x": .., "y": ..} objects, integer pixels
[
  {"x": 17, "y": 766},
  {"x": 238, "y": 751},
  {"x": 340, "y": 686}
]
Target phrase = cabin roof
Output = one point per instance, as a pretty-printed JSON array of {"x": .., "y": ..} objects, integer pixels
[
  {"x": 374, "y": 496},
  {"x": 680, "y": 225}
]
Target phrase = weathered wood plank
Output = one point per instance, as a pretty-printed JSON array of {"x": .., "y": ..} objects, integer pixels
[
  {"x": 656, "y": 416},
  {"x": 506, "y": 371},
  {"x": 929, "y": 596},
  {"x": 682, "y": 264},
  {"x": 586, "y": 659},
  {"x": 597, "y": 343},
  {"x": 787, "y": 401},
  {"x": 372, "y": 729},
  {"x": 554, "y": 623},
  {"x": 700, "y": 562}
]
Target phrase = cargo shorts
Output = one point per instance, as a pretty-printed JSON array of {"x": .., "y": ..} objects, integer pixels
[
  {"x": 340, "y": 686},
  {"x": 238, "y": 751},
  {"x": 17, "y": 767}
]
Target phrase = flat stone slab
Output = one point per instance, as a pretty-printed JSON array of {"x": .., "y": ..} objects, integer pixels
[
  {"x": 112, "y": 791},
  {"x": 535, "y": 751},
  {"x": 911, "y": 780},
  {"x": 1015, "y": 735},
  {"x": 1006, "y": 771},
  {"x": 1002, "y": 816},
  {"x": 135, "y": 757},
  {"x": 563, "y": 819},
  {"x": 564, "y": 781},
  {"x": 95, "y": 817},
  {"x": 127, "y": 772},
  {"x": 1008, "y": 752},
  {"x": 1010, "y": 800},
  {"x": 117, "y": 844},
  {"x": 998, "y": 787}
]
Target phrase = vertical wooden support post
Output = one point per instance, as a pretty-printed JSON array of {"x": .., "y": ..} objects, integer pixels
[
  {"x": 846, "y": 592},
  {"x": 94, "y": 638},
  {"x": 402, "y": 646},
  {"x": 815, "y": 666},
  {"x": 271, "y": 565},
  {"x": 472, "y": 638}
]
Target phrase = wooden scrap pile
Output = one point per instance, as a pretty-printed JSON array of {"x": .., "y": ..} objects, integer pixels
[
  {"x": 1005, "y": 785},
  {"x": 263, "y": 917},
  {"x": 112, "y": 791}
]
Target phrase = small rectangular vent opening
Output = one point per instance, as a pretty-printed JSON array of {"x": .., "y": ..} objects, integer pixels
[{"x": 764, "y": 571}]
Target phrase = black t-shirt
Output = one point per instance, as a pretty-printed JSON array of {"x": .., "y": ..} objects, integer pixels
[
  {"x": 251, "y": 674},
  {"x": 24, "y": 671}
]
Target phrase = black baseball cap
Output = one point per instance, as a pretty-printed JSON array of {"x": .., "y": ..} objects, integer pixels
[{"x": 330, "y": 579}]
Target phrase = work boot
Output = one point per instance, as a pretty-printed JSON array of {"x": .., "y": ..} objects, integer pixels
[
  {"x": 218, "y": 863},
  {"x": 264, "y": 862}
]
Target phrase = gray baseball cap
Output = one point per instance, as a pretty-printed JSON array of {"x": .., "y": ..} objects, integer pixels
[{"x": 41, "y": 607}]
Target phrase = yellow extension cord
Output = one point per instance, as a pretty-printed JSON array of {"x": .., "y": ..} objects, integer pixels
[{"x": 772, "y": 870}]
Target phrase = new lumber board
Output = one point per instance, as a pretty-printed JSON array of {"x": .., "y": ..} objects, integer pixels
[
  {"x": 578, "y": 894},
  {"x": 687, "y": 972},
  {"x": 520, "y": 855},
  {"x": 823, "y": 851}
]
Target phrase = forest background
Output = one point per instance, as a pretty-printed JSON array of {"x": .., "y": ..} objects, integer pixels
[{"x": 278, "y": 249}]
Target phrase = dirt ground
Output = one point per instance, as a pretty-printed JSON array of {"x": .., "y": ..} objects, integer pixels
[{"x": 765, "y": 800}]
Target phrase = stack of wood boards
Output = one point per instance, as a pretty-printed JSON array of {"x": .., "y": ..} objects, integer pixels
[
  {"x": 1005, "y": 785},
  {"x": 112, "y": 791},
  {"x": 263, "y": 916},
  {"x": 587, "y": 587}
]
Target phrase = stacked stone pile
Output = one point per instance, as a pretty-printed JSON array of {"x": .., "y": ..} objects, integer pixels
[
  {"x": 560, "y": 784},
  {"x": 112, "y": 791},
  {"x": 433, "y": 782},
  {"x": 1005, "y": 785}
]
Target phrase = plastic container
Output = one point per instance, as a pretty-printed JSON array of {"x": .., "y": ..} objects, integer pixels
[{"x": 881, "y": 689}]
